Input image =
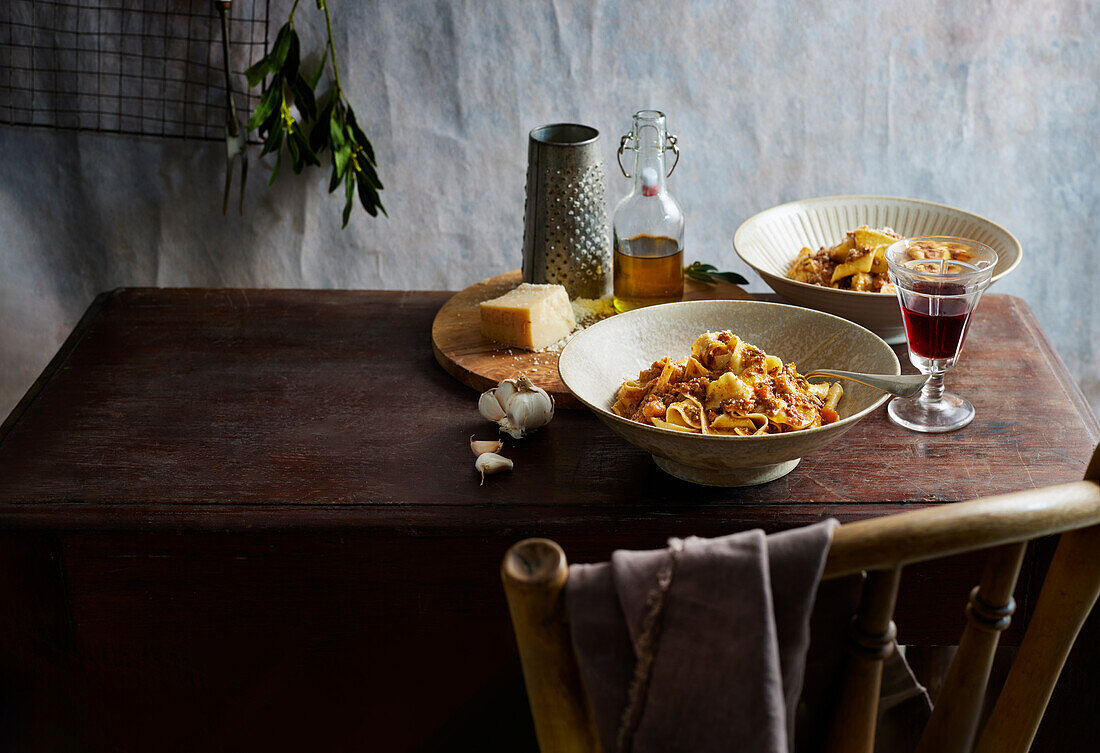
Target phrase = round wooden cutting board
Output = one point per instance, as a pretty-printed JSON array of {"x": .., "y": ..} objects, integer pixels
[{"x": 481, "y": 363}]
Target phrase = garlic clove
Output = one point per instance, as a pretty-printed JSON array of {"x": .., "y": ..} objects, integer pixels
[
  {"x": 490, "y": 406},
  {"x": 506, "y": 390},
  {"x": 530, "y": 410},
  {"x": 480, "y": 447},
  {"x": 490, "y": 462}
]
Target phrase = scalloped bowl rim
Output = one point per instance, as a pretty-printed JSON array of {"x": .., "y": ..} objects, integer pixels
[
  {"x": 863, "y": 293},
  {"x": 689, "y": 436}
]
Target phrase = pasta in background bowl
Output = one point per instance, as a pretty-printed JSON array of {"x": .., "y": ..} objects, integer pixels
[
  {"x": 597, "y": 361},
  {"x": 771, "y": 240}
]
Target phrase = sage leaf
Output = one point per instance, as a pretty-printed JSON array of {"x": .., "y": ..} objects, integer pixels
[{"x": 709, "y": 274}]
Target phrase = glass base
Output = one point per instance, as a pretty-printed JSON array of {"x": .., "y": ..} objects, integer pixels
[{"x": 949, "y": 413}]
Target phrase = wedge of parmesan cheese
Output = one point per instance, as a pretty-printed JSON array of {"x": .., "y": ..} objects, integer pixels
[{"x": 529, "y": 316}]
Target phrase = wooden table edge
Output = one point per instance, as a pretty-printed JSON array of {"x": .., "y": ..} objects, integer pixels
[
  {"x": 414, "y": 519},
  {"x": 58, "y": 361},
  {"x": 1069, "y": 387}
]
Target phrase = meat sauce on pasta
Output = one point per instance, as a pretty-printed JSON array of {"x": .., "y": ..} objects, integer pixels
[{"x": 726, "y": 386}]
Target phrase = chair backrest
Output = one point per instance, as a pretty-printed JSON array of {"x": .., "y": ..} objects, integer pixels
[{"x": 534, "y": 572}]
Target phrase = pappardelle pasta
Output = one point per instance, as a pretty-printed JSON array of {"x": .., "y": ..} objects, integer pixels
[
  {"x": 859, "y": 261},
  {"x": 727, "y": 386},
  {"x": 856, "y": 263}
]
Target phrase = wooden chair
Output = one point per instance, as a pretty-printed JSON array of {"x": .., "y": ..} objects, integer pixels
[{"x": 535, "y": 570}]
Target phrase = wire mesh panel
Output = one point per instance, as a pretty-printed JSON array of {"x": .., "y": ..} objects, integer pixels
[{"x": 143, "y": 67}]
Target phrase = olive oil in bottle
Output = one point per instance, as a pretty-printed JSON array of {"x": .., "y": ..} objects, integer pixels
[
  {"x": 649, "y": 223},
  {"x": 647, "y": 271}
]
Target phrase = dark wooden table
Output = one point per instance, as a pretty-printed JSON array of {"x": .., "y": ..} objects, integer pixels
[{"x": 241, "y": 520}]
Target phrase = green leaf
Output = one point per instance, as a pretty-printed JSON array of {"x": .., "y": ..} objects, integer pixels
[
  {"x": 295, "y": 154},
  {"x": 273, "y": 143},
  {"x": 349, "y": 193},
  {"x": 368, "y": 197},
  {"x": 275, "y": 170},
  {"x": 281, "y": 47},
  {"x": 368, "y": 150},
  {"x": 342, "y": 156},
  {"x": 293, "y": 58},
  {"x": 308, "y": 157},
  {"x": 258, "y": 72},
  {"x": 270, "y": 102},
  {"x": 336, "y": 128},
  {"x": 371, "y": 175},
  {"x": 709, "y": 274},
  {"x": 731, "y": 277},
  {"x": 360, "y": 137},
  {"x": 319, "y": 135},
  {"x": 334, "y": 181},
  {"x": 316, "y": 76},
  {"x": 273, "y": 124},
  {"x": 303, "y": 97},
  {"x": 272, "y": 61}
]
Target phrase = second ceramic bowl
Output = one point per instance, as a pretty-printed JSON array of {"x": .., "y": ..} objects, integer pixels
[{"x": 769, "y": 241}]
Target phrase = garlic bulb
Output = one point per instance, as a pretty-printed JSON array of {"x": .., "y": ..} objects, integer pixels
[
  {"x": 490, "y": 462},
  {"x": 480, "y": 447},
  {"x": 517, "y": 406}
]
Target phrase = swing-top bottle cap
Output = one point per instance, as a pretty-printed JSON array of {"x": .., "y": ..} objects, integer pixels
[{"x": 649, "y": 182}]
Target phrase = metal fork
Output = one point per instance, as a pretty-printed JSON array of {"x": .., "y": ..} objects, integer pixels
[{"x": 902, "y": 385}]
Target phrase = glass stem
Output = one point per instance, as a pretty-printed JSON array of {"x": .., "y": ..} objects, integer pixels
[{"x": 932, "y": 392}]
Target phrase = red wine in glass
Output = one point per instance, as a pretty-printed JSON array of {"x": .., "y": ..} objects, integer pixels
[{"x": 936, "y": 318}]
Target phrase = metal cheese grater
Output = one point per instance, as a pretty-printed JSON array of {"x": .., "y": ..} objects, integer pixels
[{"x": 565, "y": 238}]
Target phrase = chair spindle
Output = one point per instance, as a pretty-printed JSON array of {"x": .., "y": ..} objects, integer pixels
[
  {"x": 1069, "y": 592},
  {"x": 871, "y": 640},
  {"x": 954, "y": 721}
]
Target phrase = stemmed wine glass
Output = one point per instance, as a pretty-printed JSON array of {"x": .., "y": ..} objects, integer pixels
[{"x": 939, "y": 280}]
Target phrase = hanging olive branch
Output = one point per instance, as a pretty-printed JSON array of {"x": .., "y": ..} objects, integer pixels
[{"x": 324, "y": 124}]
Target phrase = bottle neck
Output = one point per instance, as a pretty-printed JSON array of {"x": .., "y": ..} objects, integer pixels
[{"x": 649, "y": 154}]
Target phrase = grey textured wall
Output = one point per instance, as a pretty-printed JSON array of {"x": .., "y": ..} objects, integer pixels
[{"x": 991, "y": 107}]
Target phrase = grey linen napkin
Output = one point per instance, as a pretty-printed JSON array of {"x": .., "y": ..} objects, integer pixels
[{"x": 702, "y": 646}]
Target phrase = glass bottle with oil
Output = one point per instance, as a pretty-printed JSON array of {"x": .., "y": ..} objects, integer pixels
[{"x": 648, "y": 226}]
